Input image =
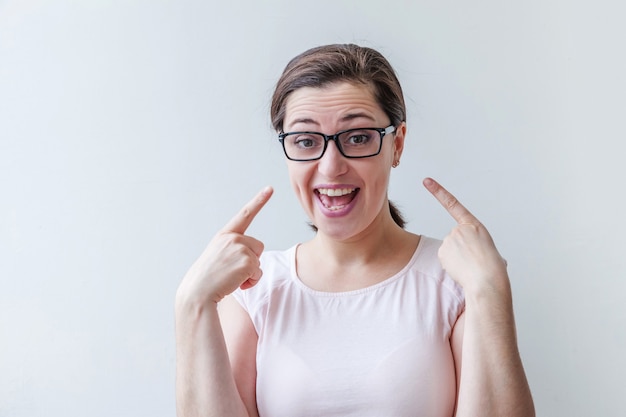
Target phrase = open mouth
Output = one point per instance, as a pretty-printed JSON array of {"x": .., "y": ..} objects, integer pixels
[{"x": 335, "y": 199}]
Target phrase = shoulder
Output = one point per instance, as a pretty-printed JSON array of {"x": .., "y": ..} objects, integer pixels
[
  {"x": 439, "y": 298},
  {"x": 427, "y": 264},
  {"x": 278, "y": 260},
  {"x": 278, "y": 269}
]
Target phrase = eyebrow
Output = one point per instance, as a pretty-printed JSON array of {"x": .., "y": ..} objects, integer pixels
[
  {"x": 304, "y": 120},
  {"x": 358, "y": 115},
  {"x": 346, "y": 118}
]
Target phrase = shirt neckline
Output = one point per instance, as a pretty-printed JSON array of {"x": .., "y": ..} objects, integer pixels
[{"x": 293, "y": 275}]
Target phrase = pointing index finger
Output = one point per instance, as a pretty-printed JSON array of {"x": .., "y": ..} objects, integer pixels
[
  {"x": 242, "y": 220},
  {"x": 450, "y": 203}
]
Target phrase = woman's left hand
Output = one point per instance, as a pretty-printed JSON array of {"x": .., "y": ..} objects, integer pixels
[{"x": 468, "y": 253}]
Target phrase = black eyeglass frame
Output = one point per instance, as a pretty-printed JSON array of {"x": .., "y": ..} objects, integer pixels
[{"x": 383, "y": 131}]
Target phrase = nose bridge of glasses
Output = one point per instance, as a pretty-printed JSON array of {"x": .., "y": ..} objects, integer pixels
[{"x": 333, "y": 138}]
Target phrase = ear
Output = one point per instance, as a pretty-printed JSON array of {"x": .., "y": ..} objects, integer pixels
[{"x": 398, "y": 141}]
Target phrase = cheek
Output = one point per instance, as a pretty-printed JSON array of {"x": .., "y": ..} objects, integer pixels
[
  {"x": 389, "y": 152},
  {"x": 379, "y": 180},
  {"x": 298, "y": 179}
]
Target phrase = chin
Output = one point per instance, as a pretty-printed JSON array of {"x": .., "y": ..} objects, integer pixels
[{"x": 340, "y": 230}]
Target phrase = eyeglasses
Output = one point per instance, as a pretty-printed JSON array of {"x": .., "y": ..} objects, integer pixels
[{"x": 352, "y": 143}]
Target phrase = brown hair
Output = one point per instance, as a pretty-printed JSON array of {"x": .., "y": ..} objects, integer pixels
[
  {"x": 328, "y": 64},
  {"x": 324, "y": 65}
]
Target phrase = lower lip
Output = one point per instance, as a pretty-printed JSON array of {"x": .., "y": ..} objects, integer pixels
[{"x": 340, "y": 212}]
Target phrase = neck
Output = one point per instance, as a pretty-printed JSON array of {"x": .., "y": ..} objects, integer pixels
[
  {"x": 332, "y": 265},
  {"x": 375, "y": 243},
  {"x": 366, "y": 247}
]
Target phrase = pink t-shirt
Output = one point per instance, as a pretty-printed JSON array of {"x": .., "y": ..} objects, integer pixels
[{"x": 383, "y": 350}]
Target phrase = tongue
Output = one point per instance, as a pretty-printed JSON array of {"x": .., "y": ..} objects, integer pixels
[{"x": 337, "y": 201}]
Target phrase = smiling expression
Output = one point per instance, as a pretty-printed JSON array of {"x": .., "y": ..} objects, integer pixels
[{"x": 342, "y": 197}]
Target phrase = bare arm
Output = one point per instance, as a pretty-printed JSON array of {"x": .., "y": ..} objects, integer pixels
[
  {"x": 205, "y": 385},
  {"x": 205, "y": 380},
  {"x": 241, "y": 341},
  {"x": 492, "y": 381}
]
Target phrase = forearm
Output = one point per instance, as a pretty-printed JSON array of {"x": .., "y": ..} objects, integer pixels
[
  {"x": 493, "y": 382},
  {"x": 204, "y": 381}
]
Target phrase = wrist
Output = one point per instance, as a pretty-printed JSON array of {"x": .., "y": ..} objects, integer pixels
[
  {"x": 495, "y": 289},
  {"x": 189, "y": 302}
]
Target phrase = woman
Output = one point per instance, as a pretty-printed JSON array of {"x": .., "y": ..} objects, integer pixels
[{"x": 365, "y": 319}]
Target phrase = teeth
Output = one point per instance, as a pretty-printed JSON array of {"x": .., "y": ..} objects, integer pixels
[{"x": 335, "y": 192}]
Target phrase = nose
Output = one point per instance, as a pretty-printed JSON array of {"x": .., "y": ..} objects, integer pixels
[{"x": 333, "y": 163}]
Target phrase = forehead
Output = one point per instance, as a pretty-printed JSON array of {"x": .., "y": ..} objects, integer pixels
[{"x": 331, "y": 104}]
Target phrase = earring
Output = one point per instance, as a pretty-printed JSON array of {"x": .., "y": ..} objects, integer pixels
[{"x": 395, "y": 163}]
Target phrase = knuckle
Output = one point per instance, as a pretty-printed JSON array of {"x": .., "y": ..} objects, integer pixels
[
  {"x": 450, "y": 202},
  {"x": 245, "y": 212}
]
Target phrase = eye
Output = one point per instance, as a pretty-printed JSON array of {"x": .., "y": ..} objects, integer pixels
[
  {"x": 306, "y": 141},
  {"x": 358, "y": 138}
]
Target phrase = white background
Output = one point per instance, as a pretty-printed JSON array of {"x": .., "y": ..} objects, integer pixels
[{"x": 131, "y": 131}]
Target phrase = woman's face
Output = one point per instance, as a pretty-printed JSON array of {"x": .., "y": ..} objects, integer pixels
[{"x": 343, "y": 197}]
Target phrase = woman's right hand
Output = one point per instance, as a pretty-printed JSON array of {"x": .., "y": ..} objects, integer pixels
[{"x": 230, "y": 260}]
